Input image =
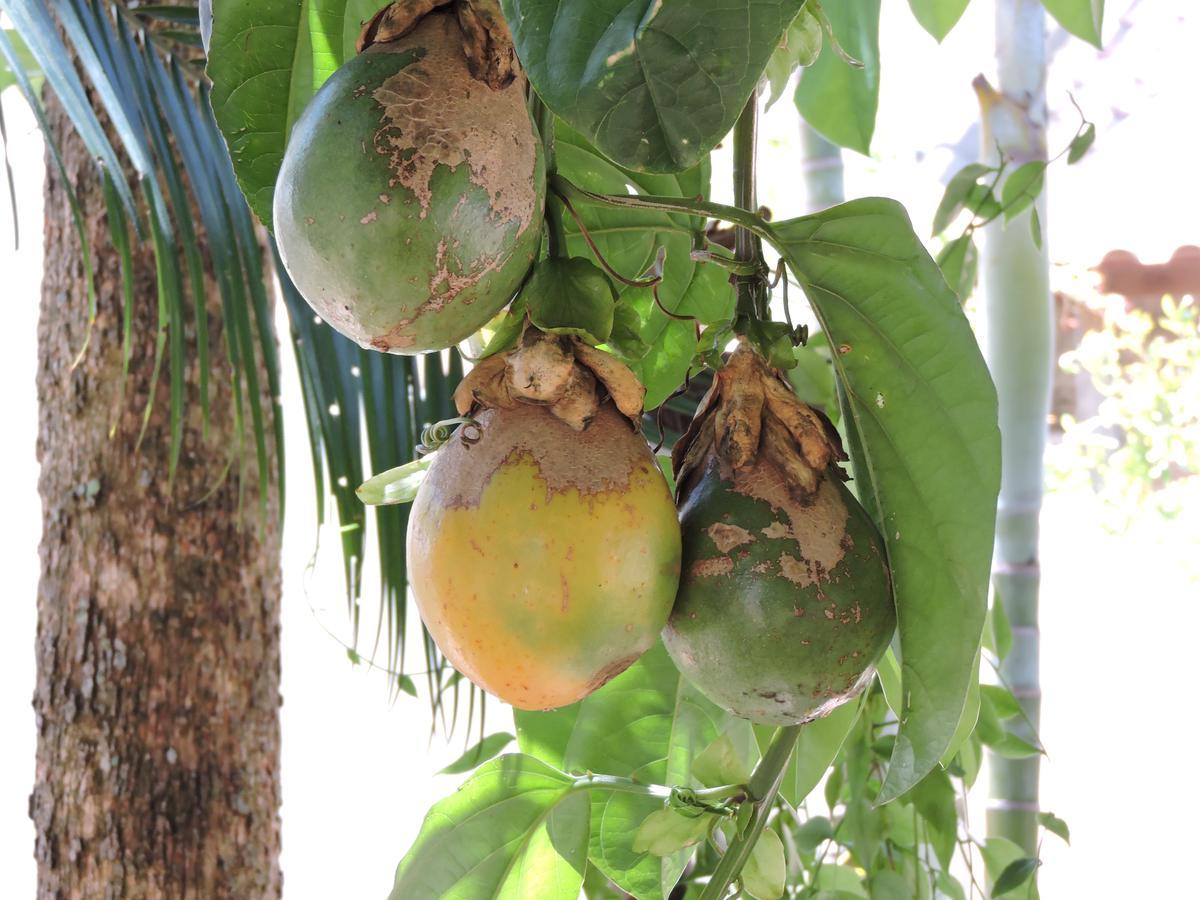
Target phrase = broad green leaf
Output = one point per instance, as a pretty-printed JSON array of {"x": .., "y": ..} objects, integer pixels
[
  {"x": 266, "y": 59},
  {"x": 839, "y": 879},
  {"x": 1083, "y": 18},
  {"x": 888, "y": 884},
  {"x": 479, "y": 754},
  {"x": 1001, "y": 700},
  {"x": 998, "y": 853},
  {"x": 812, "y": 378},
  {"x": 1015, "y": 874},
  {"x": 970, "y": 715},
  {"x": 959, "y": 262},
  {"x": 1022, "y": 187},
  {"x": 653, "y": 86},
  {"x": 816, "y": 748},
  {"x": 1055, "y": 825},
  {"x": 648, "y": 723},
  {"x": 571, "y": 296},
  {"x": 516, "y": 829},
  {"x": 1081, "y": 143},
  {"x": 656, "y": 346},
  {"x": 935, "y": 799},
  {"x": 765, "y": 874},
  {"x": 724, "y": 762},
  {"x": 801, "y": 46},
  {"x": 938, "y": 16},
  {"x": 666, "y": 831},
  {"x": 888, "y": 673},
  {"x": 958, "y": 188},
  {"x": 23, "y": 60},
  {"x": 814, "y": 832},
  {"x": 910, "y": 368},
  {"x": 836, "y": 99},
  {"x": 949, "y": 885}
]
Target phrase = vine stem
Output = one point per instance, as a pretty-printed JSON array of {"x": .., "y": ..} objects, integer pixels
[
  {"x": 701, "y": 209},
  {"x": 556, "y": 232},
  {"x": 746, "y": 248},
  {"x": 763, "y": 786},
  {"x": 628, "y": 786}
]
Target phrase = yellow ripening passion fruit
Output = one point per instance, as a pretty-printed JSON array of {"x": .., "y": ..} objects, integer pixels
[{"x": 543, "y": 545}]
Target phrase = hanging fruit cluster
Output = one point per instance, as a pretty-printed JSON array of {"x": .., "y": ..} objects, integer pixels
[{"x": 545, "y": 551}]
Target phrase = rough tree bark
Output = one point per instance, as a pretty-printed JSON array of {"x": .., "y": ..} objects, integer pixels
[{"x": 158, "y": 609}]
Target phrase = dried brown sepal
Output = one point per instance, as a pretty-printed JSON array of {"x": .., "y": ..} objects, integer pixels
[
  {"x": 751, "y": 414},
  {"x": 394, "y": 21},
  {"x": 487, "y": 42},
  {"x": 628, "y": 394},
  {"x": 554, "y": 371}
]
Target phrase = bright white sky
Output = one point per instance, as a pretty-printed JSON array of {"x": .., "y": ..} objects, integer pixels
[{"x": 358, "y": 772}]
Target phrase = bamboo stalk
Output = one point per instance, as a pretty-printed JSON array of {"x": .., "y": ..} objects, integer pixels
[{"x": 1019, "y": 349}]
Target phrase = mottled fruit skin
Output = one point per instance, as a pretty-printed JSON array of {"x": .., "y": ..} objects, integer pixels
[
  {"x": 409, "y": 204},
  {"x": 544, "y": 561},
  {"x": 783, "y": 607}
]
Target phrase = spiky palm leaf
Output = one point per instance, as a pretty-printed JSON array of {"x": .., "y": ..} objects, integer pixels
[{"x": 131, "y": 80}]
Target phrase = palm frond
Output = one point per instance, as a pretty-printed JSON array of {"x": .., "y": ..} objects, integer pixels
[{"x": 140, "y": 67}]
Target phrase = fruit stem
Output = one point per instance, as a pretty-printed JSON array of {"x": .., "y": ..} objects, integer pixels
[
  {"x": 747, "y": 248},
  {"x": 556, "y": 232},
  {"x": 764, "y": 785}
]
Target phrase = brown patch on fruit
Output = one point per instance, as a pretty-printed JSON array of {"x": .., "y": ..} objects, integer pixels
[
  {"x": 726, "y": 537},
  {"x": 599, "y": 459},
  {"x": 435, "y": 113},
  {"x": 611, "y": 671},
  {"x": 711, "y": 568}
]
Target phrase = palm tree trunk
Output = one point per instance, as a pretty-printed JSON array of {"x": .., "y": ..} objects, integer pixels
[
  {"x": 1019, "y": 349},
  {"x": 158, "y": 608}
]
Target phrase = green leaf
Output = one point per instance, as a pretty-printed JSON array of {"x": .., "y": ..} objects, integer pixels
[
  {"x": 998, "y": 632},
  {"x": 801, "y": 46},
  {"x": 839, "y": 880},
  {"x": 656, "y": 346},
  {"x": 723, "y": 762},
  {"x": 516, "y": 829},
  {"x": 1015, "y": 874},
  {"x": 666, "y": 831},
  {"x": 969, "y": 717},
  {"x": 888, "y": 672},
  {"x": 959, "y": 262},
  {"x": 1022, "y": 187},
  {"x": 571, "y": 296},
  {"x": 1055, "y": 825},
  {"x": 814, "y": 832},
  {"x": 1083, "y": 18},
  {"x": 816, "y": 748},
  {"x": 938, "y": 16},
  {"x": 836, "y": 99},
  {"x": 949, "y": 885},
  {"x": 1001, "y": 700},
  {"x": 1081, "y": 143},
  {"x": 765, "y": 873},
  {"x": 480, "y": 753},
  {"x": 1035, "y": 227},
  {"x": 648, "y": 723},
  {"x": 958, "y": 188},
  {"x": 888, "y": 884},
  {"x": 653, "y": 86},
  {"x": 936, "y": 801},
  {"x": 812, "y": 378},
  {"x": 266, "y": 59},
  {"x": 23, "y": 60},
  {"x": 1012, "y": 747},
  {"x": 910, "y": 367},
  {"x": 398, "y": 485}
]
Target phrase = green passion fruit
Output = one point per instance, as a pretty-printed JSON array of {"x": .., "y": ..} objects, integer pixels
[
  {"x": 543, "y": 544},
  {"x": 409, "y": 204},
  {"x": 785, "y": 601}
]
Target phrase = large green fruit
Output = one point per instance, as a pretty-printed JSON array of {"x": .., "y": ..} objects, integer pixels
[
  {"x": 785, "y": 600},
  {"x": 544, "y": 557},
  {"x": 409, "y": 204}
]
